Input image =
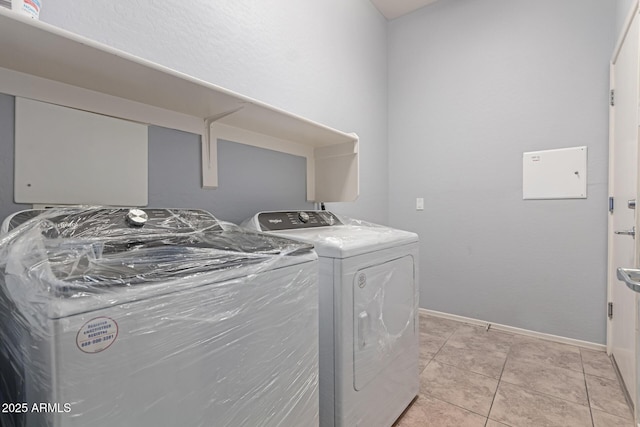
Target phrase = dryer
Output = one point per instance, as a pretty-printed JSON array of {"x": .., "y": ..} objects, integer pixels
[
  {"x": 368, "y": 314},
  {"x": 155, "y": 317}
]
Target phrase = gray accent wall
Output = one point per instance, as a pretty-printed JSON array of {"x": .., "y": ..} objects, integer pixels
[
  {"x": 250, "y": 179},
  {"x": 472, "y": 85}
]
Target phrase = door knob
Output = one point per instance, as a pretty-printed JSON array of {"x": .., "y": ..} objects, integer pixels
[
  {"x": 630, "y": 276},
  {"x": 631, "y": 204},
  {"x": 631, "y": 232}
]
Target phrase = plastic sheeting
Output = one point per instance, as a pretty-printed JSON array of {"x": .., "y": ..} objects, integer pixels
[
  {"x": 184, "y": 321},
  {"x": 369, "y": 349},
  {"x": 332, "y": 235}
]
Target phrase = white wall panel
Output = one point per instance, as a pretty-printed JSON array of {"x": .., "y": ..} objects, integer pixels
[
  {"x": 555, "y": 174},
  {"x": 67, "y": 156}
]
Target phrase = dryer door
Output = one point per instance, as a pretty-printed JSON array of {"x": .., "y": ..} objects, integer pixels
[{"x": 384, "y": 304}]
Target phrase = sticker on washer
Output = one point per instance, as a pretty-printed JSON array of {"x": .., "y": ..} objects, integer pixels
[{"x": 97, "y": 335}]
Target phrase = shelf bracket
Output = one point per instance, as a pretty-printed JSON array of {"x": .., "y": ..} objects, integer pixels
[
  {"x": 93, "y": 77},
  {"x": 210, "y": 150},
  {"x": 337, "y": 171},
  {"x": 243, "y": 136}
]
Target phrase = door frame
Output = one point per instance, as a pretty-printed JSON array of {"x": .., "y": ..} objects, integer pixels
[
  {"x": 616, "y": 52},
  {"x": 611, "y": 281}
]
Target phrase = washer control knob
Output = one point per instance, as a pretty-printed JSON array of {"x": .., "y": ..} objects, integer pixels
[
  {"x": 136, "y": 217},
  {"x": 304, "y": 217}
]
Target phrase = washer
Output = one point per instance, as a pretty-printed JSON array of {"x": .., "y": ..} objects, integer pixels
[
  {"x": 155, "y": 317},
  {"x": 368, "y": 314}
]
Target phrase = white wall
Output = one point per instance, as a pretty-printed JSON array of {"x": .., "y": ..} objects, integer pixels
[
  {"x": 325, "y": 60},
  {"x": 472, "y": 85}
]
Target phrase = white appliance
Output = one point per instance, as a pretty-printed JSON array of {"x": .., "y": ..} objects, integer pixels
[
  {"x": 115, "y": 317},
  {"x": 368, "y": 314}
]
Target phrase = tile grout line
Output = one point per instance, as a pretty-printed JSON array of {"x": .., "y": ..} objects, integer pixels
[
  {"x": 551, "y": 396},
  {"x": 623, "y": 386},
  {"x": 582, "y": 371},
  {"x": 472, "y": 372},
  {"x": 495, "y": 393},
  {"x": 443, "y": 344},
  {"x": 439, "y": 348},
  {"x": 457, "y": 406},
  {"x": 498, "y": 385},
  {"x": 449, "y": 403},
  {"x": 586, "y": 387}
]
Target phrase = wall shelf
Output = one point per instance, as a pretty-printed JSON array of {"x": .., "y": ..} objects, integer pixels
[{"x": 45, "y": 63}]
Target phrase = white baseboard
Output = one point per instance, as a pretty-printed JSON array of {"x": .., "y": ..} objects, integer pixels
[{"x": 520, "y": 331}]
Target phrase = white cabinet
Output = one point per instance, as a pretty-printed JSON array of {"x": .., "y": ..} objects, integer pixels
[{"x": 43, "y": 62}]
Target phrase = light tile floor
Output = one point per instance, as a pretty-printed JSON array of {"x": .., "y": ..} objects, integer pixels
[{"x": 473, "y": 377}]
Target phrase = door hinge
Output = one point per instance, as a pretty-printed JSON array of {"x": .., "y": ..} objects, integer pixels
[
  {"x": 610, "y": 310},
  {"x": 612, "y": 97},
  {"x": 611, "y": 204}
]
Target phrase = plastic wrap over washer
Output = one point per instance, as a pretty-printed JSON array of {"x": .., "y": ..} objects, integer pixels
[{"x": 181, "y": 321}]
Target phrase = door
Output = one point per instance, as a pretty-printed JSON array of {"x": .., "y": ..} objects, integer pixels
[
  {"x": 384, "y": 314},
  {"x": 623, "y": 186}
]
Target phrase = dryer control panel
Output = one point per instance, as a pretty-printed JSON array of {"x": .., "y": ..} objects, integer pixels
[{"x": 290, "y": 220}]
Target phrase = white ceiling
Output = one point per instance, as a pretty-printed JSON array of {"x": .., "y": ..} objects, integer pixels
[{"x": 392, "y": 9}]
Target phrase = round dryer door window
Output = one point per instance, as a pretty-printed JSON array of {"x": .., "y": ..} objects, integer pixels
[{"x": 384, "y": 316}]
